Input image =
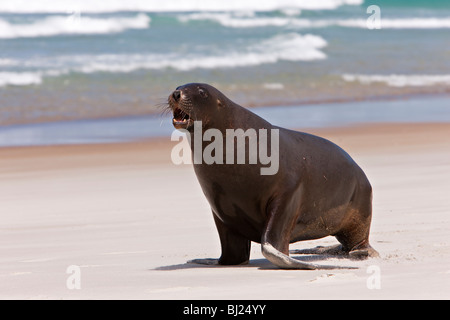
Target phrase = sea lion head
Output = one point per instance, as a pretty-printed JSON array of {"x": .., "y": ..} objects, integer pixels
[{"x": 194, "y": 102}]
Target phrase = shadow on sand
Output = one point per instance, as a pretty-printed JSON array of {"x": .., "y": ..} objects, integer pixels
[{"x": 262, "y": 264}]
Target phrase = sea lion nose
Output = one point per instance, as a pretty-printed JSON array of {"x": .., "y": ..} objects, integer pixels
[{"x": 176, "y": 95}]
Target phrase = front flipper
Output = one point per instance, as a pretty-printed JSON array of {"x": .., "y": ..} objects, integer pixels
[
  {"x": 235, "y": 248},
  {"x": 282, "y": 260},
  {"x": 276, "y": 237}
]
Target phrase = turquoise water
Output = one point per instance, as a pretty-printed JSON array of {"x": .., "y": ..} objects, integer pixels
[{"x": 81, "y": 60}]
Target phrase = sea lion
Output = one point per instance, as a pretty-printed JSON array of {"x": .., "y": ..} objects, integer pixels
[{"x": 318, "y": 190}]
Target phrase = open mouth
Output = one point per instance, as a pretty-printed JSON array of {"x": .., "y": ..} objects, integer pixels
[{"x": 180, "y": 118}]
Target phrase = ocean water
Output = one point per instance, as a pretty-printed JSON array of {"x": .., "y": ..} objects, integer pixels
[
  {"x": 85, "y": 60},
  {"x": 305, "y": 117}
]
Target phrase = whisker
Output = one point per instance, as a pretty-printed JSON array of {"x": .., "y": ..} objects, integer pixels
[{"x": 164, "y": 108}]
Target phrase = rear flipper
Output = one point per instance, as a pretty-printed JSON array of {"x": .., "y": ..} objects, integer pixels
[
  {"x": 363, "y": 253},
  {"x": 337, "y": 250}
]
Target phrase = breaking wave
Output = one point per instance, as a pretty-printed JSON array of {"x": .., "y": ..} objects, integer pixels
[
  {"x": 291, "y": 47},
  {"x": 63, "y": 25},
  {"x": 89, "y": 6},
  {"x": 288, "y": 47},
  {"x": 20, "y": 78},
  {"x": 251, "y": 20},
  {"x": 397, "y": 80}
]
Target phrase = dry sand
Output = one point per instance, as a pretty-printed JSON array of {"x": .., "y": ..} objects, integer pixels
[{"x": 128, "y": 220}]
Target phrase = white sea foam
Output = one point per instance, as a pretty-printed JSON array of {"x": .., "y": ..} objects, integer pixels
[
  {"x": 291, "y": 46},
  {"x": 7, "y": 62},
  {"x": 294, "y": 47},
  {"x": 89, "y": 6},
  {"x": 232, "y": 20},
  {"x": 287, "y": 47},
  {"x": 396, "y": 80},
  {"x": 273, "y": 86},
  {"x": 20, "y": 78},
  {"x": 25, "y": 78},
  {"x": 408, "y": 23},
  {"x": 61, "y": 25},
  {"x": 416, "y": 23}
]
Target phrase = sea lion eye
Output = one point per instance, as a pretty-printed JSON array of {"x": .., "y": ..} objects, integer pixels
[{"x": 202, "y": 93}]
